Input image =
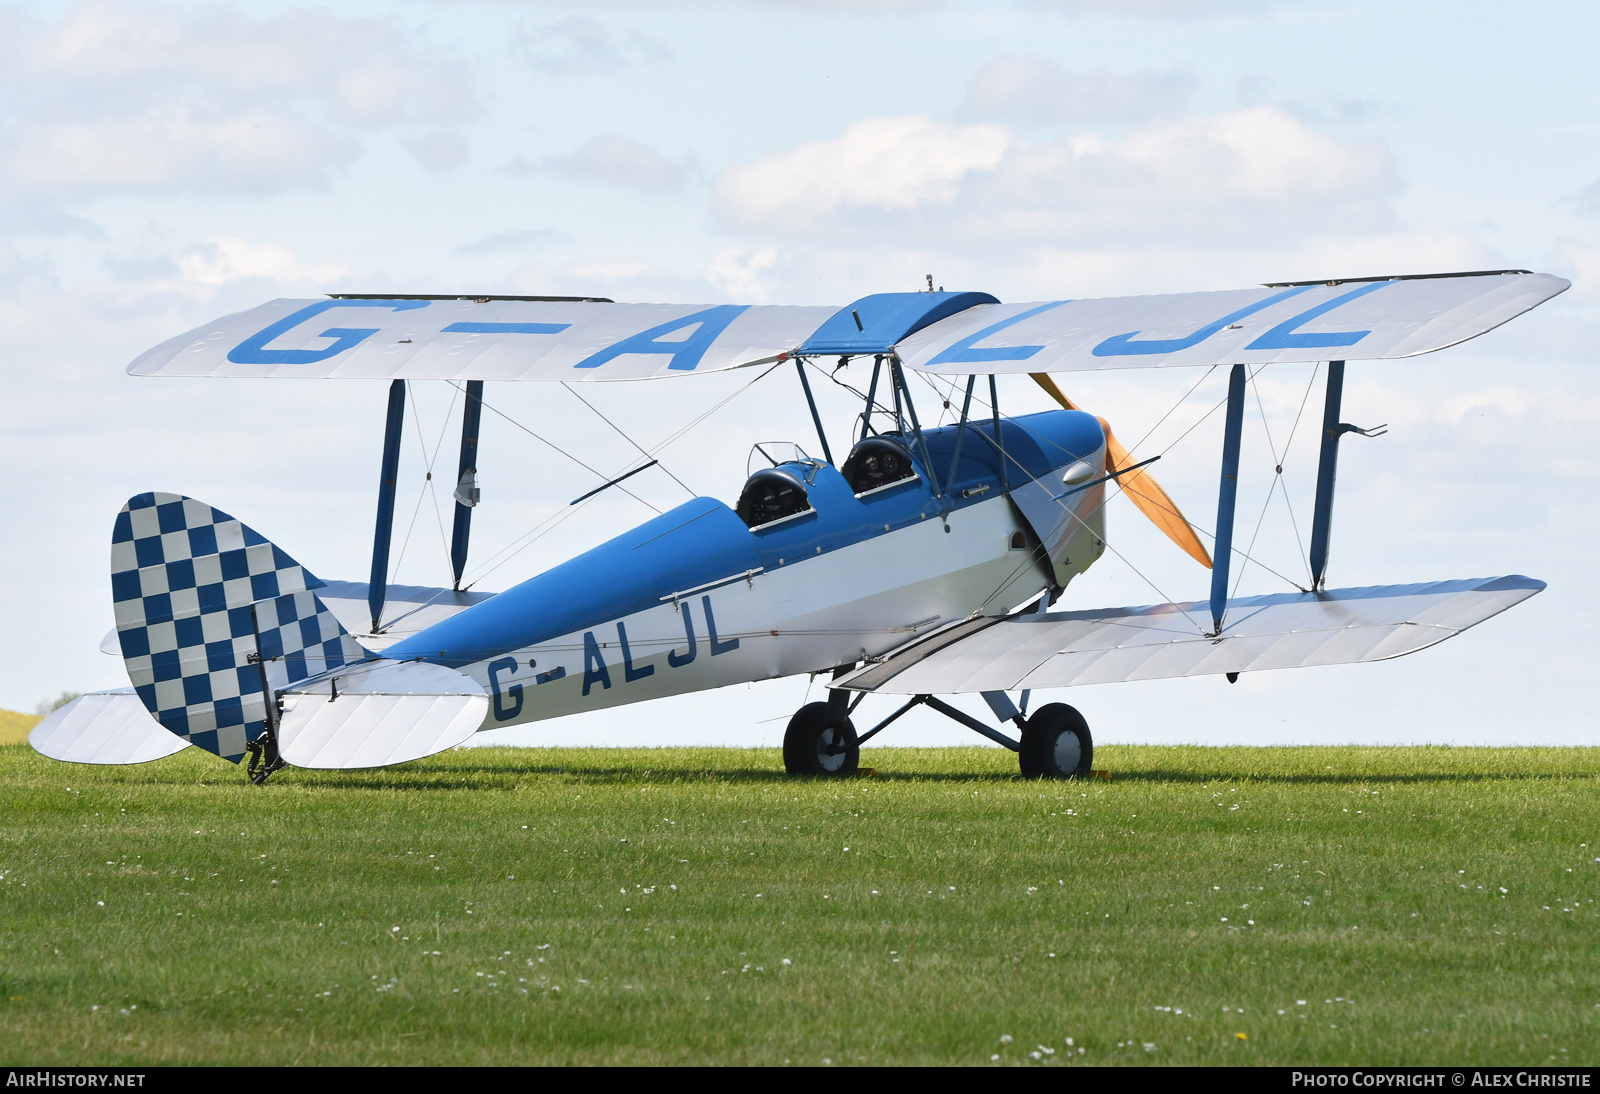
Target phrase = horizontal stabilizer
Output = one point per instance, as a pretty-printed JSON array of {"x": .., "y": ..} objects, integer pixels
[
  {"x": 1284, "y": 631},
  {"x": 407, "y": 609},
  {"x": 379, "y": 713},
  {"x": 104, "y": 727}
]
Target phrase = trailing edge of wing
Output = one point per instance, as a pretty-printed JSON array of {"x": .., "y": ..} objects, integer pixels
[{"x": 1292, "y": 630}]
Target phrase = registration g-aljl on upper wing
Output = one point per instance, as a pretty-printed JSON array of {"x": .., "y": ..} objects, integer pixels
[
  {"x": 503, "y": 338},
  {"x": 415, "y": 338},
  {"x": 1351, "y": 320}
]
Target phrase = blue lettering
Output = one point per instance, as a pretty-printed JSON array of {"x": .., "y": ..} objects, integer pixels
[
  {"x": 514, "y": 692},
  {"x": 963, "y": 349},
  {"x": 629, "y": 673},
  {"x": 505, "y": 328},
  {"x": 711, "y": 630},
  {"x": 686, "y": 354},
  {"x": 1121, "y": 346},
  {"x": 594, "y": 666},
  {"x": 254, "y": 351},
  {"x": 1282, "y": 336},
  {"x": 674, "y": 658}
]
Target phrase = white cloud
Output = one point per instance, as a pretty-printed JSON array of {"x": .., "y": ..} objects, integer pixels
[
  {"x": 1184, "y": 10},
  {"x": 616, "y": 161},
  {"x": 201, "y": 270},
  {"x": 581, "y": 45},
  {"x": 1587, "y": 200},
  {"x": 1036, "y": 89},
  {"x": 508, "y": 241},
  {"x": 219, "y": 261},
  {"x": 1581, "y": 266},
  {"x": 888, "y": 164},
  {"x": 140, "y": 96},
  {"x": 1235, "y": 178},
  {"x": 248, "y": 151},
  {"x": 738, "y": 272},
  {"x": 439, "y": 150}
]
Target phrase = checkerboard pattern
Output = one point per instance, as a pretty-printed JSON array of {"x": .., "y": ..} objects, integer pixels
[{"x": 184, "y": 577}]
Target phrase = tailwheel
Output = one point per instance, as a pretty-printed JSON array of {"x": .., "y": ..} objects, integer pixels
[
  {"x": 813, "y": 745},
  {"x": 1056, "y": 744}
]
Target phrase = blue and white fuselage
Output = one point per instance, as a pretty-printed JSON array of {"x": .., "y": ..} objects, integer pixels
[{"x": 696, "y": 599}]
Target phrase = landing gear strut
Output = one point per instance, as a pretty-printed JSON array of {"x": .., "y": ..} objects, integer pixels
[{"x": 817, "y": 744}]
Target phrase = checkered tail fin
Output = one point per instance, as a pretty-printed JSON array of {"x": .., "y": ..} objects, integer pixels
[{"x": 195, "y": 592}]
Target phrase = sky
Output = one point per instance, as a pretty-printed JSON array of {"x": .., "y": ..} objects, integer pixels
[{"x": 162, "y": 165}]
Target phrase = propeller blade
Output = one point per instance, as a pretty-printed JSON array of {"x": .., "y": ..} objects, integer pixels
[{"x": 1140, "y": 486}]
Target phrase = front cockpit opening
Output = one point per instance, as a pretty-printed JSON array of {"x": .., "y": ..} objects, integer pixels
[
  {"x": 772, "y": 495},
  {"x": 876, "y": 463}
]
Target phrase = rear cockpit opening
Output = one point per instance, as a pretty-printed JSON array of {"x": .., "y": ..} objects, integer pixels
[{"x": 877, "y": 463}]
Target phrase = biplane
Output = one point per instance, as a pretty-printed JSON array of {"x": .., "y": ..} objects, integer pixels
[{"x": 896, "y": 557}]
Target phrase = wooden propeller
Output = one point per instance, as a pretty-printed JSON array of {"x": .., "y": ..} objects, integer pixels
[{"x": 1140, "y": 486}]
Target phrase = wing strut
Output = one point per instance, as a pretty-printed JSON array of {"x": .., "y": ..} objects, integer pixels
[
  {"x": 800, "y": 366},
  {"x": 383, "y": 535},
  {"x": 1328, "y": 470},
  {"x": 467, "y": 479},
  {"x": 1227, "y": 495}
]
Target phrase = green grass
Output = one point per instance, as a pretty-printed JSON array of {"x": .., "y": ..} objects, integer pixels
[{"x": 694, "y": 906}]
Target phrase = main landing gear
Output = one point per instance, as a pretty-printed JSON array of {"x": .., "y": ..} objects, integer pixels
[
  {"x": 815, "y": 744},
  {"x": 1056, "y": 743}
]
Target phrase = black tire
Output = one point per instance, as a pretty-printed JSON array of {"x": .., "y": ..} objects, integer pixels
[
  {"x": 1056, "y": 744},
  {"x": 814, "y": 746}
]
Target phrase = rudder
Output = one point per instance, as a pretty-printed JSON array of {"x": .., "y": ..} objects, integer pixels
[{"x": 204, "y": 605}]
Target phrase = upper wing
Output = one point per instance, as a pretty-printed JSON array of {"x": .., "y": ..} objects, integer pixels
[
  {"x": 1292, "y": 630},
  {"x": 1351, "y": 321},
  {"x": 966, "y": 332},
  {"x": 454, "y": 339}
]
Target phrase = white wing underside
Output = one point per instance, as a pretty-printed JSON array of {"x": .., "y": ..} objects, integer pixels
[{"x": 1065, "y": 649}]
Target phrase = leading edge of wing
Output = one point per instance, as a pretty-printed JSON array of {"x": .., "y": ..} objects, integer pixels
[{"x": 1353, "y": 321}]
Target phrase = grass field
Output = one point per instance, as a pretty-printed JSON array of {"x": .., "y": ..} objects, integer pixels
[{"x": 1205, "y": 905}]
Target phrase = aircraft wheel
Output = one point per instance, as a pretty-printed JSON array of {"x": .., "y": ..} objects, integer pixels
[
  {"x": 1056, "y": 744},
  {"x": 814, "y": 746}
]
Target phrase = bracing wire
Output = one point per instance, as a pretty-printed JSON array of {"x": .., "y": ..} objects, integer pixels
[
  {"x": 552, "y": 445},
  {"x": 544, "y": 527},
  {"x": 1071, "y": 513},
  {"x": 623, "y": 435}
]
